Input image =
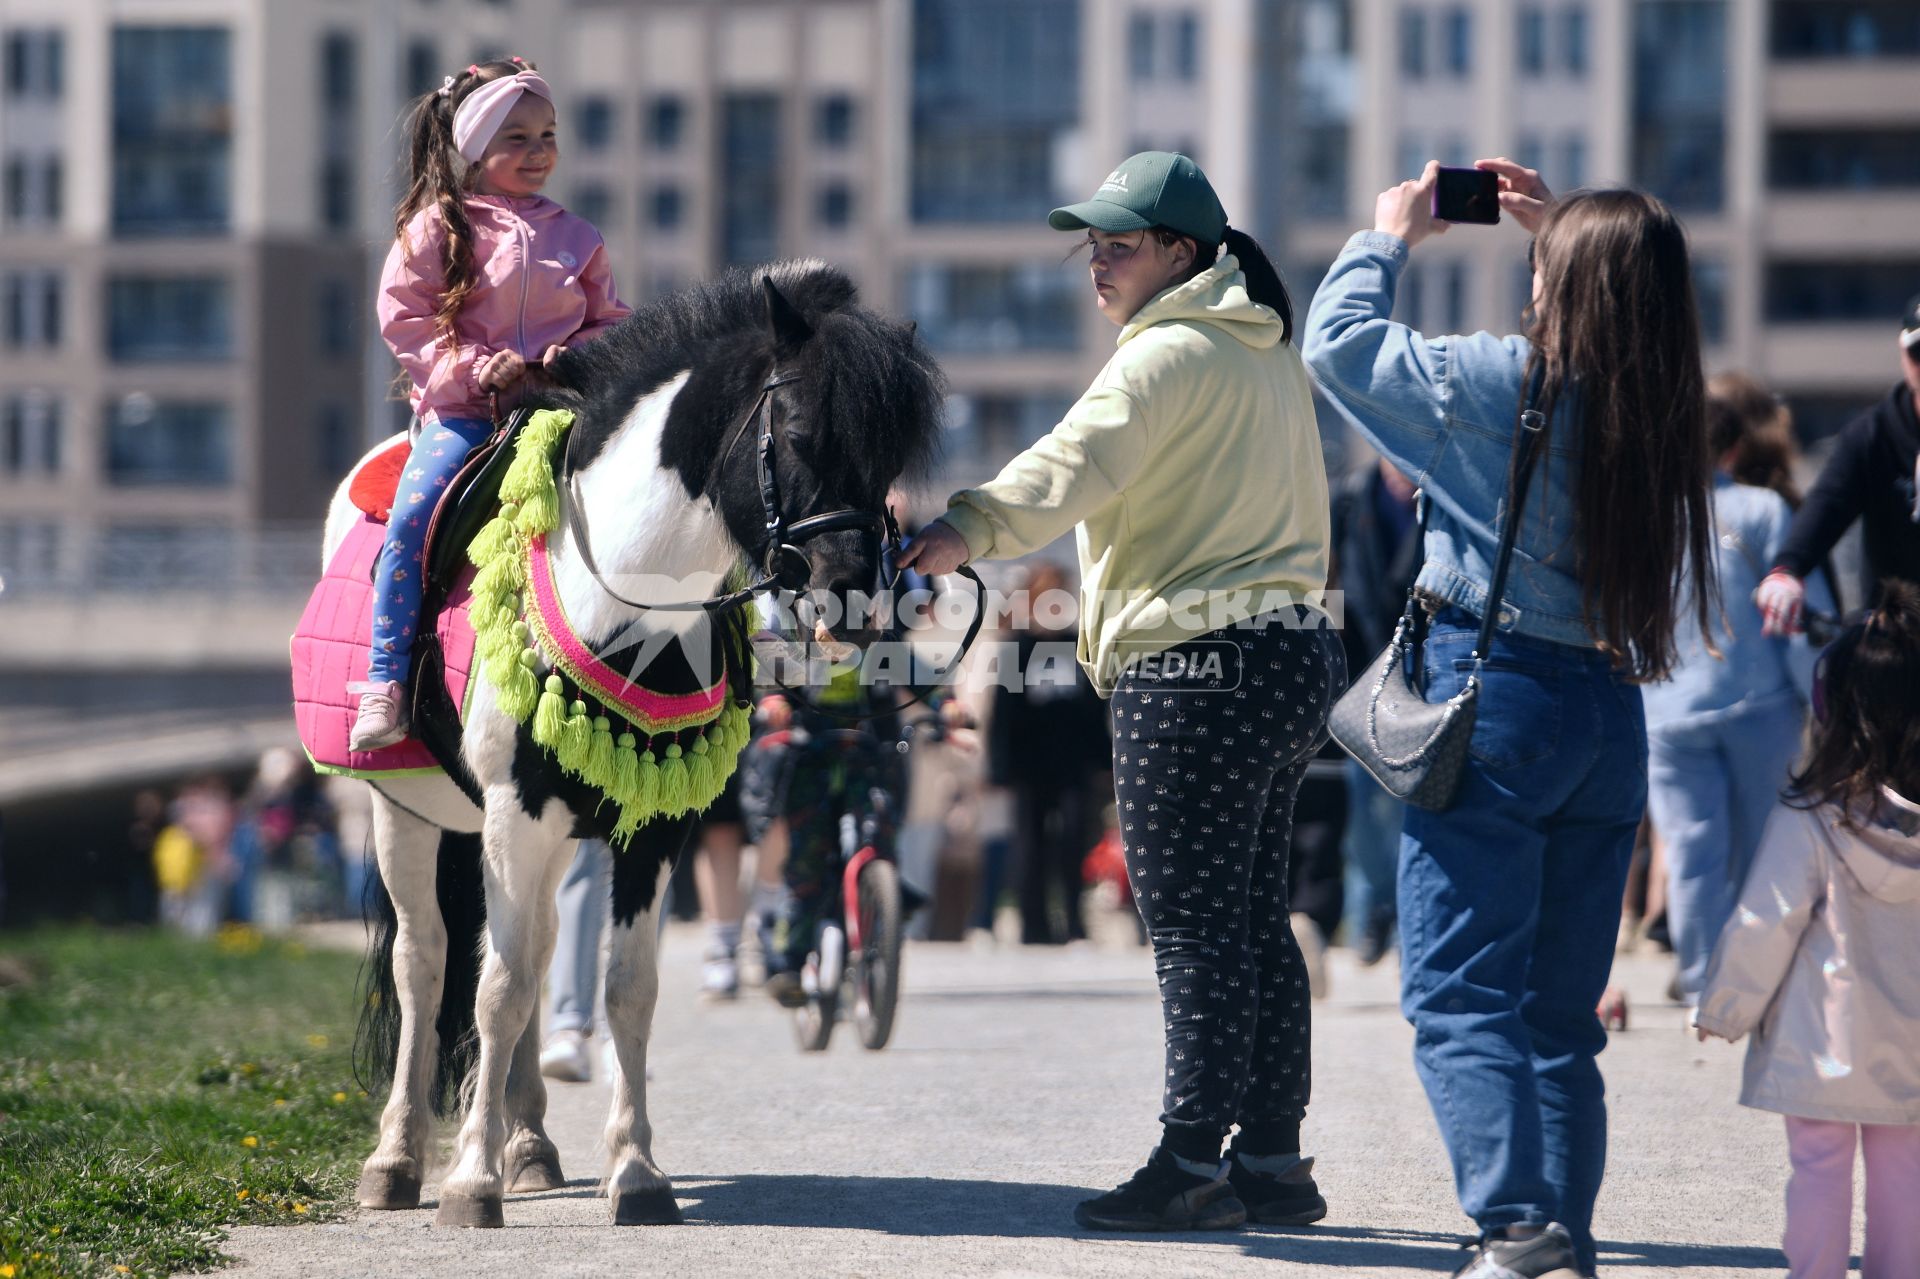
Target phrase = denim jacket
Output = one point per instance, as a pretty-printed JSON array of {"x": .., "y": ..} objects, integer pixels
[
  {"x": 1443, "y": 410},
  {"x": 1750, "y": 526}
]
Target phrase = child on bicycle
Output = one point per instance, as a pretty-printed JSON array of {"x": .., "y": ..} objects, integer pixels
[
  {"x": 485, "y": 275},
  {"x": 1821, "y": 961}
]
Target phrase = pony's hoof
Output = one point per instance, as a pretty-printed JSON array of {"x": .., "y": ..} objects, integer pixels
[
  {"x": 467, "y": 1212},
  {"x": 385, "y": 1189},
  {"x": 654, "y": 1207},
  {"x": 535, "y": 1172}
]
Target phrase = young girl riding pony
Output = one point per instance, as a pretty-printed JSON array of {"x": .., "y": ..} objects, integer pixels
[{"x": 486, "y": 276}]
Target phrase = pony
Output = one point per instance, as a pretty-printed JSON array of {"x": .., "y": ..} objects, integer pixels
[{"x": 757, "y": 418}]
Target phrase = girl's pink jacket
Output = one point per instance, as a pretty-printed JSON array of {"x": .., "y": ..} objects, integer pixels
[{"x": 544, "y": 281}]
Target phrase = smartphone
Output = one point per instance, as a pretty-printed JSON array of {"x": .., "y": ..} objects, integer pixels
[{"x": 1467, "y": 195}]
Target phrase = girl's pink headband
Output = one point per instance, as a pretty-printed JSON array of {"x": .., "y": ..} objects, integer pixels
[{"x": 485, "y": 109}]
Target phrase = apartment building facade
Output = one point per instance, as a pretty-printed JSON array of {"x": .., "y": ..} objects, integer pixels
[
  {"x": 1785, "y": 132},
  {"x": 195, "y": 195}
]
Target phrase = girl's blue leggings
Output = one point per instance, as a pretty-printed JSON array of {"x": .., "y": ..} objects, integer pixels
[{"x": 435, "y": 460}]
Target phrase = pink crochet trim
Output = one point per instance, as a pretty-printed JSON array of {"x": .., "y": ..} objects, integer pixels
[{"x": 649, "y": 712}]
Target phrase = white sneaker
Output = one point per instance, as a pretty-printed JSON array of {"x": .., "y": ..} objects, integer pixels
[
  {"x": 382, "y": 719},
  {"x": 720, "y": 976},
  {"x": 566, "y": 1059}
]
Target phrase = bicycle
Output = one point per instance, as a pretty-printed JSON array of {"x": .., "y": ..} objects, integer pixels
[{"x": 856, "y": 952}]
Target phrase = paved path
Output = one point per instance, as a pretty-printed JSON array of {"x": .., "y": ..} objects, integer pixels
[{"x": 1019, "y": 1079}]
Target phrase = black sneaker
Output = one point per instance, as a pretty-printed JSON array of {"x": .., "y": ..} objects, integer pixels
[
  {"x": 1164, "y": 1196},
  {"x": 1548, "y": 1255},
  {"x": 1287, "y": 1199}
]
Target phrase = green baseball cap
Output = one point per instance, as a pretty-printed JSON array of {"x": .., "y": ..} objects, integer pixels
[{"x": 1153, "y": 188}]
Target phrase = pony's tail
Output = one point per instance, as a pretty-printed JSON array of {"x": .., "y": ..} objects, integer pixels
[{"x": 463, "y": 911}]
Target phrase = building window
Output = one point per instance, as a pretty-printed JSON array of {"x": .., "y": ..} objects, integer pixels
[
  {"x": 168, "y": 442},
  {"x": 1843, "y": 292},
  {"x": 594, "y": 202},
  {"x": 336, "y": 193},
  {"x": 422, "y": 68},
  {"x": 1573, "y": 39},
  {"x": 1679, "y": 102},
  {"x": 1186, "y": 47},
  {"x": 1844, "y": 159},
  {"x": 1413, "y": 43},
  {"x": 991, "y": 309},
  {"x": 335, "y": 315},
  {"x": 1413, "y": 154},
  {"x": 1846, "y": 29},
  {"x": 336, "y": 449},
  {"x": 836, "y": 206},
  {"x": 1459, "y": 35},
  {"x": 1710, "y": 297},
  {"x": 750, "y": 200},
  {"x": 172, "y": 130},
  {"x": 985, "y": 430},
  {"x": 35, "y": 60},
  {"x": 1573, "y": 161},
  {"x": 33, "y": 190},
  {"x": 666, "y": 123},
  {"x": 30, "y": 552},
  {"x": 1140, "y": 46},
  {"x": 834, "y": 121},
  {"x": 1453, "y": 279},
  {"x": 1323, "y": 170},
  {"x": 165, "y": 318},
  {"x": 338, "y": 70},
  {"x": 666, "y": 208},
  {"x": 30, "y": 434},
  {"x": 594, "y": 122},
  {"x": 1531, "y": 39},
  {"x": 1409, "y": 304},
  {"x": 996, "y": 96},
  {"x": 34, "y": 304},
  {"x": 1531, "y": 152}
]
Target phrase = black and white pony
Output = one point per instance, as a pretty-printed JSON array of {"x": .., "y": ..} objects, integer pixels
[{"x": 672, "y": 493}]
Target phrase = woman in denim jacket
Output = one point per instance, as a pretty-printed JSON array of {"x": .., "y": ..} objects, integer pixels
[{"x": 1510, "y": 899}]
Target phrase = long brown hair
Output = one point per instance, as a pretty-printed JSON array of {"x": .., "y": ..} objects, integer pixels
[
  {"x": 1749, "y": 427},
  {"x": 1618, "y": 330},
  {"x": 1867, "y": 734},
  {"x": 436, "y": 176}
]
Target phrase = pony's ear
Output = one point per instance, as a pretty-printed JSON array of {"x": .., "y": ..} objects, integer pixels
[
  {"x": 913, "y": 329},
  {"x": 790, "y": 328}
]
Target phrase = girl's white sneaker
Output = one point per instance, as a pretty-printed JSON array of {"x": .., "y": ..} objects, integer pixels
[{"x": 382, "y": 720}]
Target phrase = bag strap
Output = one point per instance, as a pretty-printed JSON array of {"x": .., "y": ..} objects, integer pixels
[{"x": 1526, "y": 449}]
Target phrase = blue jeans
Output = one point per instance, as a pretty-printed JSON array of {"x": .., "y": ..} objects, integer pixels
[
  {"x": 585, "y": 900},
  {"x": 1371, "y": 846},
  {"x": 1509, "y": 905},
  {"x": 436, "y": 458},
  {"x": 1712, "y": 786}
]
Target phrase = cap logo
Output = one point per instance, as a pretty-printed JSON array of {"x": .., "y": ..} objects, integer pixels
[{"x": 1117, "y": 180}]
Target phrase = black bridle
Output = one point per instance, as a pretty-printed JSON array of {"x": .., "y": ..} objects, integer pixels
[{"x": 784, "y": 565}]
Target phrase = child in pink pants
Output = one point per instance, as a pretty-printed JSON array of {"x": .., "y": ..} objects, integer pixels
[{"x": 1821, "y": 960}]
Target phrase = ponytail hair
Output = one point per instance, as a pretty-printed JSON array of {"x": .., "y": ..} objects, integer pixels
[
  {"x": 1866, "y": 731},
  {"x": 1264, "y": 284},
  {"x": 438, "y": 178}
]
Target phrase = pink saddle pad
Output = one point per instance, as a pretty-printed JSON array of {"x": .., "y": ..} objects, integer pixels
[{"x": 330, "y": 650}]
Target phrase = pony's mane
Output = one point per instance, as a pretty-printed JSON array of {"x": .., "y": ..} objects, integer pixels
[{"x": 870, "y": 382}]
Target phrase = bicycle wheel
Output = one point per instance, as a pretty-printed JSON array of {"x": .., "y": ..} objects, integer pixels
[{"x": 876, "y": 969}]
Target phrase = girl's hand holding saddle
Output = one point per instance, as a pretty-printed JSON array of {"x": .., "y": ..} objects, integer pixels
[
  {"x": 938, "y": 549},
  {"x": 501, "y": 371}
]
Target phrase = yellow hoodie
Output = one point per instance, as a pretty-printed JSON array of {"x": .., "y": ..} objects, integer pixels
[{"x": 1192, "y": 469}]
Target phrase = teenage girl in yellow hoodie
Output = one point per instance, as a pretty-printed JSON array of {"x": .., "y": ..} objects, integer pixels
[{"x": 1191, "y": 471}]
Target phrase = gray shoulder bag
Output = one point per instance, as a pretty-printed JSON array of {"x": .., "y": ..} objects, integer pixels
[{"x": 1415, "y": 749}]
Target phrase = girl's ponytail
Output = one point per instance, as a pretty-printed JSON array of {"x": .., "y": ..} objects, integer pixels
[
  {"x": 437, "y": 178},
  {"x": 1264, "y": 284}
]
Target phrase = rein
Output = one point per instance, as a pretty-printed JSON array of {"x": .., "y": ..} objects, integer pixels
[{"x": 784, "y": 563}]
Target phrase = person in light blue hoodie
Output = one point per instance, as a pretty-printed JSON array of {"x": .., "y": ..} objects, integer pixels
[
  {"x": 1724, "y": 730},
  {"x": 1510, "y": 899}
]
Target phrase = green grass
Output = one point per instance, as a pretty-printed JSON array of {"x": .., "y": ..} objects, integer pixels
[{"x": 155, "y": 1091}]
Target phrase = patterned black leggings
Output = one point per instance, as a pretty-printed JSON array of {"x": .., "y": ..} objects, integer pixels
[{"x": 1206, "y": 769}]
